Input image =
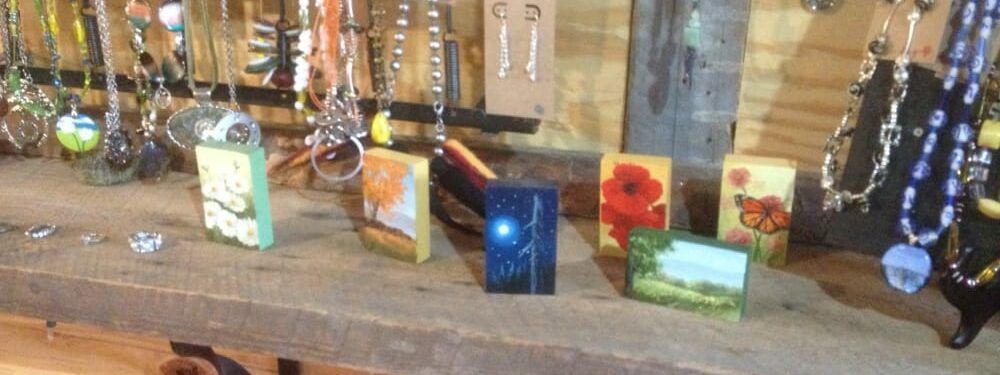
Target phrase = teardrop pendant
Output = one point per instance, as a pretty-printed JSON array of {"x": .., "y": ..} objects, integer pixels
[
  {"x": 381, "y": 131},
  {"x": 118, "y": 148},
  {"x": 906, "y": 268}
]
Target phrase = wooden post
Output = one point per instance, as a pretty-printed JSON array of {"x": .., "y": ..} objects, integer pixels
[{"x": 684, "y": 78}]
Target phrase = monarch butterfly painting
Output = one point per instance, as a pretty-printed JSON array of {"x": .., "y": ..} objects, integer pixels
[
  {"x": 755, "y": 206},
  {"x": 767, "y": 216}
]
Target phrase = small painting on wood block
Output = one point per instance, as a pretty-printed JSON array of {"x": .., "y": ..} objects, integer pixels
[
  {"x": 520, "y": 236},
  {"x": 397, "y": 205},
  {"x": 635, "y": 192},
  {"x": 687, "y": 272},
  {"x": 755, "y": 208},
  {"x": 234, "y": 194}
]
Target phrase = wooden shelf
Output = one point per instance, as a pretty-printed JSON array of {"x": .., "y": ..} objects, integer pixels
[{"x": 317, "y": 295}]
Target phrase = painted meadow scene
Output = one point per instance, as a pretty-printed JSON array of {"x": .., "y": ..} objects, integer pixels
[
  {"x": 635, "y": 192},
  {"x": 520, "y": 236},
  {"x": 396, "y": 205},
  {"x": 755, "y": 208},
  {"x": 686, "y": 272},
  {"x": 234, "y": 195}
]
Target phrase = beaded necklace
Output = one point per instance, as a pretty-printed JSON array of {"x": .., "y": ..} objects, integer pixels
[{"x": 907, "y": 266}]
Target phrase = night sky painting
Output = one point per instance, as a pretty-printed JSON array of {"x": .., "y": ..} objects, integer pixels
[{"x": 520, "y": 235}]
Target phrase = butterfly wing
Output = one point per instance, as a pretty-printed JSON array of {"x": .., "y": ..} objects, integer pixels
[
  {"x": 775, "y": 222},
  {"x": 752, "y": 212}
]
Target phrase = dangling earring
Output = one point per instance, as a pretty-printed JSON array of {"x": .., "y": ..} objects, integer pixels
[
  {"x": 501, "y": 10},
  {"x": 532, "y": 67}
]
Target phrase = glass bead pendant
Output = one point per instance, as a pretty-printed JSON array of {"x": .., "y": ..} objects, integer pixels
[
  {"x": 139, "y": 13},
  {"x": 118, "y": 148},
  {"x": 906, "y": 268},
  {"x": 381, "y": 129},
  {"x": 171, "y": 15},
  {"x": 237, "y": 127},
  {"x": 154, "y": 159},
  {"x": 78, "y": 132}
]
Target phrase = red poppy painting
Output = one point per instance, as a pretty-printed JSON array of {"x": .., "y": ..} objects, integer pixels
[{"x": 634, "y": 193}]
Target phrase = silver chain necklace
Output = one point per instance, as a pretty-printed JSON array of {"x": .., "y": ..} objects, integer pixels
[
  {"x": 31, "y": 111},
  {"x": 437, "y": 87},
  {"x": 117, "y": 143},
  {"x": 237, "y": 126},
  {"x": 835, "y": 199}
]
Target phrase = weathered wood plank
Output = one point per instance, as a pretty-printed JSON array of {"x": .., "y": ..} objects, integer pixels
[
  {"x": 317, "y": 295},
  {"x": 684, "y": 79}
]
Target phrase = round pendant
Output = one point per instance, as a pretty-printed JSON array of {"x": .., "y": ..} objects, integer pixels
[
  {"x": 237, "y": 127},
  {"x": 118, "y": 148},
  {"x": 154, "y": 159},
  {"x": 906, "y": 268},
  {"x": 78, "y": 133},
  {"x": 27, "y": 121},
  {"x": 190, "y": 126},
  {"x": 139, "y": 13},
  {"x": 381, "y": 132},
  {"x": 171, "y": 15}
]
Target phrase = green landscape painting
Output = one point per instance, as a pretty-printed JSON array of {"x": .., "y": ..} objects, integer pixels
[{"x": 687, "y": 272}]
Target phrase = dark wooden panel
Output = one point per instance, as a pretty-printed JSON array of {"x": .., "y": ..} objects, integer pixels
[{"x": 684, "y": 78}]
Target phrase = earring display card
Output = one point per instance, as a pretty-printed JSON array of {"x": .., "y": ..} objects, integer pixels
[
  {"x": 755, "y": 208},
  {"x": 520, "y": 236},
  {"x": 929, "y": 38},
  {"x": 635, "y": 192},
  {"x": 687, "y": 272},
  {"x": 397, "y": 205},
  {"x": 234, "y": 194},
  {"x": 518, "y": 94}
]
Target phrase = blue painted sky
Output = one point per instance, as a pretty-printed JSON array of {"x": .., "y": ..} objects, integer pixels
[
  {"x": 696, "y": 262},
  {"x": 404, "y": 218}
]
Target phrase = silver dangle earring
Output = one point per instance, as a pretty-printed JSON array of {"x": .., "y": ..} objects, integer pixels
[
  {"x": 532, "y": 67},
  {"x": 500, "y": 9}
]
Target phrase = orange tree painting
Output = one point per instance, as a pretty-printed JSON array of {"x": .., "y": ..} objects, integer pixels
[
  {"x": 763, "y": 217},
  {"x": 383, "y": 187},
  {"x": 629, "y": 201}
]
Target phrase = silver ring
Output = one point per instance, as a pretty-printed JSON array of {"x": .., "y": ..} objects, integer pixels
[{"x": 321, "y": 139}]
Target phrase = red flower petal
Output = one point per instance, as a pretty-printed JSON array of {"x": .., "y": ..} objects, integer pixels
[{"x": 630, "y": 172}]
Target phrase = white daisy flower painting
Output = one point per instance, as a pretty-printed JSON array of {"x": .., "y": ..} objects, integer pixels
[{"x": 234, "y": 194}]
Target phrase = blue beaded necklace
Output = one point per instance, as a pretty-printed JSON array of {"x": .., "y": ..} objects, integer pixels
[{"x": 907, "y": 266}]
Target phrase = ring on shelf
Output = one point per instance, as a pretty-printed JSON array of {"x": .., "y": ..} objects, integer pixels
[{"x": 324, "y": 137}]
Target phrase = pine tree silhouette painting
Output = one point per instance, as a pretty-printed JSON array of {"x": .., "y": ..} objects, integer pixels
[{"x": 521, "y": 223}]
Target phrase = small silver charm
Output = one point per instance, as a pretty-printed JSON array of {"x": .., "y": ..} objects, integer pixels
[
  {"x": 92, "y": 238},
  {"x": 40, "y": 231},
  {"x": 6, "y": 227},
  {"x": 145, "y": 242}
]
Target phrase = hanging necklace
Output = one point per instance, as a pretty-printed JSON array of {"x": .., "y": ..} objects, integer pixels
[
  {"x": 171, "y": 16},
  {"x": 30, "y": 111},
  {"x": 276, "y": 57},
  {"x": 197, "y": 123},
  {"x": 237, "y": 126},
  {"x": 907, "y": 266},
  {"x": 437, "y": 88},
  {"x": 303, "y": 69},
  {"x": 340, "y": 121},
  {"x": 154, "y": 159},
  {"x": 80, "y": 34},
  {"x": 835, "y": 199},
  {"x": 385, "y": 83},
  {"x": 75, "y": 131},
  {"x": 117, "y": 143}
]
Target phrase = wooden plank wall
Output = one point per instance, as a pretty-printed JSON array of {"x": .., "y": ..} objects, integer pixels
[
  {"x": 592, "y": 58},
  {"x": 795, "y": 76}
]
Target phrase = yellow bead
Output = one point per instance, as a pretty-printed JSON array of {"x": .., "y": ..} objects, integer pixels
[
  {"x": 990, "y": 208},
  {"x": 989, "y": 135},
  {"x": 381, "y": 129}
]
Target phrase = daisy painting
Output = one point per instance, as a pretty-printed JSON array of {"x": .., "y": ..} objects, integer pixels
[{"x": 234, "y": 194}]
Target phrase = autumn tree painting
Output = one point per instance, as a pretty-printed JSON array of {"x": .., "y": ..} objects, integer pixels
[
  {"x": 383, "y": 187},
  {"x": 396, "y": 206}
]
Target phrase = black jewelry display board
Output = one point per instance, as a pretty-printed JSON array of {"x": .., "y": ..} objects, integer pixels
[{"x": 879, "y": 227}]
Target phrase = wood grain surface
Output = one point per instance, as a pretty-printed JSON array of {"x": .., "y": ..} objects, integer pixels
[{"x": 318, "y": 296}]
